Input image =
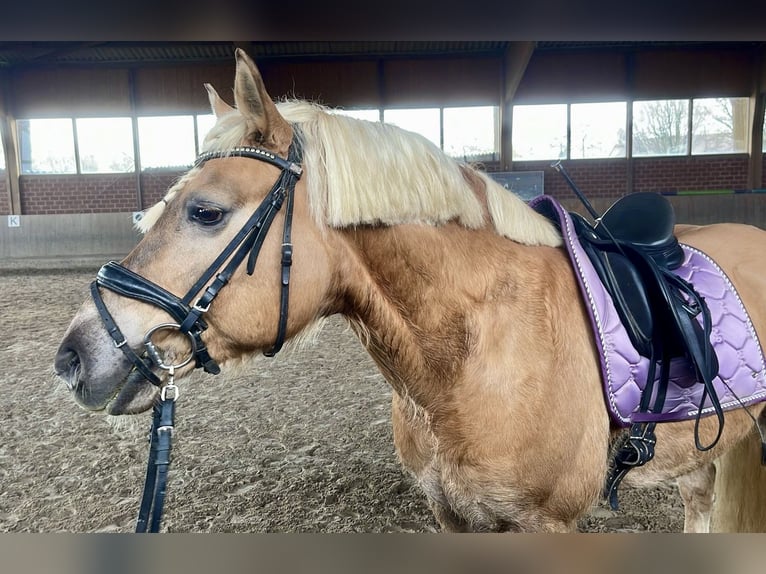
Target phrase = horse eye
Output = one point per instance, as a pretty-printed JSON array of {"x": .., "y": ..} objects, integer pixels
[{"x": 206, "y": 215}]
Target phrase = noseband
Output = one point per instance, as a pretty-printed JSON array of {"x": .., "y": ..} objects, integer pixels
[{"x": 246, "y": 243}]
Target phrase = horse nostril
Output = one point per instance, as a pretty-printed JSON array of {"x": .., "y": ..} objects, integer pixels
[{"x": 67, "y": 366}]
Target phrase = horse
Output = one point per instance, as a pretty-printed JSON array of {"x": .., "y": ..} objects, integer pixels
[{"x": 460, "y": 292}]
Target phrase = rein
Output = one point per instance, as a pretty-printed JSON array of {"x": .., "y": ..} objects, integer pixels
[{"x": 188, "y": 317}]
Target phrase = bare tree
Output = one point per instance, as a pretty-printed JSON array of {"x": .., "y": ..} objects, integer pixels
[
  {"x": 661, "y": 128},
  {"x": 720, "y": 125}
]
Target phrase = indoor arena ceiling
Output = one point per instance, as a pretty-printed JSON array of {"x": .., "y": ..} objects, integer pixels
[{"x": 27, "y": 54}]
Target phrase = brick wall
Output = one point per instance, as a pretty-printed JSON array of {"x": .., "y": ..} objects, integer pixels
[
  {"x": 596, "y": 178},
  {"x": 691, "y": 173},
  {"x": 155, "y": 184},
  {"x": 608, "y": 178},
  {"x": 51, "y": 194},
  {"x": 5, "y": 201},
  {"x": 603, "y": 178}
]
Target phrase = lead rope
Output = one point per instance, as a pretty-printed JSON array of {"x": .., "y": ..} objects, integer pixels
[{"x": 160, "y": 445}]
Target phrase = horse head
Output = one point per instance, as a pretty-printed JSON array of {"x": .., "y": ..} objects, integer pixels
[{"x": 184, "y": 252}]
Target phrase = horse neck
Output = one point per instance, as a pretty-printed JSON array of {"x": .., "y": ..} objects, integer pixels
[{"x": 409, "y": 291}]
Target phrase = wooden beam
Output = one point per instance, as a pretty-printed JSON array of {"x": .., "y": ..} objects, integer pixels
[
  {"x": 8, "y": 135},
  {"x": 757, "y": 105},
  {"x": 515, "y": 62}
]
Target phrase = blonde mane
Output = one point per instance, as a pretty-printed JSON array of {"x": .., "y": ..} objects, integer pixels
[{"x": 362, "y": 172}]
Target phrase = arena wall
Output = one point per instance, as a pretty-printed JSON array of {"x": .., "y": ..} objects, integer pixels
[{"x": 68, "y": 236}]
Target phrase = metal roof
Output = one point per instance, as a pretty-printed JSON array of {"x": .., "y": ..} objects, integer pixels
[
  {"x": 26, "y": 54},
  {"x": 146, "y": 53}
]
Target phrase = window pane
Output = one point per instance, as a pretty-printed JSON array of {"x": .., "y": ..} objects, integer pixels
[
  {"x": 46, "y": 146},
  {"x": 660, "y": 127},
  {"x": 106, "y": 145},
  {"x": 471, "y": 133},
  {"x": 424, "y": 121},
  {"x": 719, "y": 125},
  {"x": 598, "y": 130},
  {"x": 204, "y": 123},
  {"x": 166, "y": 141},
  {"x": 2, "y": 155},
  {"x": 539, "y": 132},
  {"x": 369, "y": 114}
]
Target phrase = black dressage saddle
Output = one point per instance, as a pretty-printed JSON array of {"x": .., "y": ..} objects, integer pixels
[
  {"x": 634, "y": 251},
  {"x": 630, "y": 246}
]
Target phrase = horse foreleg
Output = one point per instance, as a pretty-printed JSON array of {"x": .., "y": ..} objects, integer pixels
[{"x": 698, "y": 493}]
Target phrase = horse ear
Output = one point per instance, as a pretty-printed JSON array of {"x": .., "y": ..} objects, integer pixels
[
  {"x": 218, "y": 106},
  {"x": 266, "y": 126}
]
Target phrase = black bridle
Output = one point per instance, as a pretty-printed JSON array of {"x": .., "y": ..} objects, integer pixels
[{"x": 188, "y": 317}]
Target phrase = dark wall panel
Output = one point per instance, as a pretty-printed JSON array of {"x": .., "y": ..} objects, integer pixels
[
  {"x": 336, "y": 84},
  {"x": 67, "y": 92},
  {"x": 660, "y": 73},
  {"x": 556, "y": 78},
  {"x": 442, "y": 82},
  {"x": 181, "y": 89},
  {"x": 693, "y": 73}
]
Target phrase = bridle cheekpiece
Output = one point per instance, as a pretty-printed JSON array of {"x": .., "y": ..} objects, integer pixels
[{"x": 246, "y": 243}]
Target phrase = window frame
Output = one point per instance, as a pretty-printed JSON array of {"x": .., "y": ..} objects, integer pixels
[
  {"x": 21, "y": 147},
  {"x": 78, "y": 145}
]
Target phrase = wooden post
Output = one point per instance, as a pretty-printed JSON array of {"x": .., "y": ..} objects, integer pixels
[
  {"x": 8, "y": 135},
  {"x": 757, "y": 104},
  {"x": 515, "y": 62}
]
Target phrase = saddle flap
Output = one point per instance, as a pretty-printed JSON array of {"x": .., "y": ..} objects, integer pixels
[{"x": 624, "y": 283}]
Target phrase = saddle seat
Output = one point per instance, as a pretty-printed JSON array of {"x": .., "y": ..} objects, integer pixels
[{"x": 646, "y": 220}]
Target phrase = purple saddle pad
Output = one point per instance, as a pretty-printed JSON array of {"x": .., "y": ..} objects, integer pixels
[{"x": 741, "y": 376}]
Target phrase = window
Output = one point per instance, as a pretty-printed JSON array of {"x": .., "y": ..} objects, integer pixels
[
  {"x": 719, "y": 125},
  {"x": 660, "y": 127},
  {"x": 598, "y": 130},
  {"x": 204, "y": 123},
  {"x": 2, "y": 154},
  {"x": 105, "y": 145},
  {"x": 471, "y": 133},
  {"x": 46, "y": 146},
  {"x": 166, "y": 142},
  {"x": 425, "y": 121},
  {"x": 360, "y": 114},
  {"x": 539, "y": 132}
]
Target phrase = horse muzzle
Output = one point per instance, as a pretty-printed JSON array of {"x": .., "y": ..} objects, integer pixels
[{"x": 99, "y": 376}]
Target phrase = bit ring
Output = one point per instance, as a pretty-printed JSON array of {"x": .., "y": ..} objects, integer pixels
[{"x": 154, "y": 353}]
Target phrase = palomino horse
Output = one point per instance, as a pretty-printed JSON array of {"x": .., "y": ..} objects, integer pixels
[{"x": 460, "y": 292}]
